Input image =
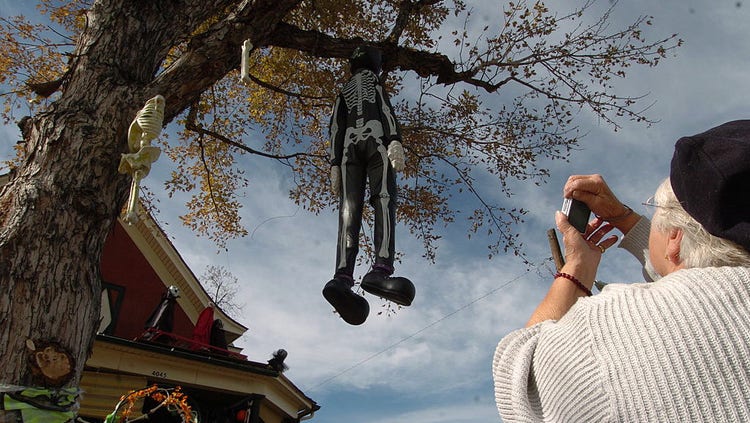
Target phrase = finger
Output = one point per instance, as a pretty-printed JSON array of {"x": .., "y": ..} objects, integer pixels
[
  {"x": 581, "y": 183},
  {"x": 562, "y": 223},
  {"x": 597, "y": 229},
  {"x": 588, "y": 196},
  {"x": 573, "y": 178},
  {"x": 601, "y": 231},
  {"x": 609, "y": 242},
  {"x": 593, "y": 226}
]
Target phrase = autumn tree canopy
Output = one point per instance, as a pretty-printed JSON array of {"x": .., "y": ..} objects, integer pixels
[{"x": 493, "y": 100}]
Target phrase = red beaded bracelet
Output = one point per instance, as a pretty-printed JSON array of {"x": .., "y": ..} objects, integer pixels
[{"x": 575, "y": 281}]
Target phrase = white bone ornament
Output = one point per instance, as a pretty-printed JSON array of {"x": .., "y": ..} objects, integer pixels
[
  {"x": 247, "y": 47},
  {"x": 336, "y": 180},
  {"x": 396, "y": 155},
  {"x": 145, "y": 128}
]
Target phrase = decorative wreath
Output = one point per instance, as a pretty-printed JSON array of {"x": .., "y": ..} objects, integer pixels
[{"x": 174, "y": 400}]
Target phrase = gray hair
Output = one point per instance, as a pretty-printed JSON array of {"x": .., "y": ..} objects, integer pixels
[{"x": 698, "y": 248}]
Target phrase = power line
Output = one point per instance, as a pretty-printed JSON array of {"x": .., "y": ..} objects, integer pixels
[
  {"x": 451, "y": 314},
  {"x": 272, "y": 218}
]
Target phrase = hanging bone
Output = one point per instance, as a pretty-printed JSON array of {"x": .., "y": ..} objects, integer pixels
[
  {"x": 145, "y": 128},
  {"x": 247, "y": 47}
]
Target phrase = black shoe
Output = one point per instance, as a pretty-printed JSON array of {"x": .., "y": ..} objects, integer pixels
[
  {"x": 351, "y": 307},
  {"x": 397, "y": 289}
]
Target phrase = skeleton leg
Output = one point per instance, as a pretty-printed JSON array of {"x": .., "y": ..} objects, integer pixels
[
  {"x": 379, "y": 281},
  {"x": 131, "y": 217},
  {"x": 138, "y": 165},
  {"x": 383, "y": 191},
  {"x": 350, "y": 216},
  {"x": 352, "y": 307}
]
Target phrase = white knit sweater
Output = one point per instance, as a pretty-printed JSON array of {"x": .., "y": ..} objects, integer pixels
[{"x": 676, "y": 350}]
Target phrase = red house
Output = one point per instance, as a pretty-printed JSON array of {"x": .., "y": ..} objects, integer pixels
[{"x": 139, "y": 265}]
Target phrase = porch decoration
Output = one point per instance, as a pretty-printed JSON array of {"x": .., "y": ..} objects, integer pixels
[
  {"x": 174, "y": 400},
  {"x": 23, "y": 404}
]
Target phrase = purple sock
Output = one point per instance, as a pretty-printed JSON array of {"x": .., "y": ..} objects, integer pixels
[{"x": 383, "y": 268}]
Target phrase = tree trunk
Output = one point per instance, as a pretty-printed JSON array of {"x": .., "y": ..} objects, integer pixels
[
  {"x": 57, "y": 212},
  {"x": 61, "y": 203}
]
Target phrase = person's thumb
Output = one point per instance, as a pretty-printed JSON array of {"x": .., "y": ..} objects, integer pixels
[{"x": 562, "y": 222}]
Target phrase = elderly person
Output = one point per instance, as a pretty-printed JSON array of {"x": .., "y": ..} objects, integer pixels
[{"x": 677, "y": 349}]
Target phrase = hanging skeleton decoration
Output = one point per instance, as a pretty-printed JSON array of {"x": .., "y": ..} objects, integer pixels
[
  {"x": 365, "y": 144},
  {"x": 145, "y": 128}
]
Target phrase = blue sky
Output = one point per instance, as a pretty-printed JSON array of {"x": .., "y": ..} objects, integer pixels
[{"x": 430, "y": 363}]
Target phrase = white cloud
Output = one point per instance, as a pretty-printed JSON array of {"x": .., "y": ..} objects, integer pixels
[{"x": 444, "y": 413}]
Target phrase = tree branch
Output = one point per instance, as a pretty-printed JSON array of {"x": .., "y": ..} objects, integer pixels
[
  {"x": 192, "y": 125},
  {"x": 211, "y": 55},
  {"x": 299, "y": 96},
  {"x": 424, "y": 64}
]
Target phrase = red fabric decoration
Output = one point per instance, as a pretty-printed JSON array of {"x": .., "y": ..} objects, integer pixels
[{"x": 202, "y": 331}]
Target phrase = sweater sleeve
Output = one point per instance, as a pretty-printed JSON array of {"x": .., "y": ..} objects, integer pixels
[
  {"x": 636, "y": 240},
  {"x": 549, "y": 373},
  {"x": 515, "y": 389},
  {"x": 636, "y": 243}
]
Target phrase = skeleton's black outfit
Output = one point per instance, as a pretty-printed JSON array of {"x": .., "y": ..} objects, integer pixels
[
  {"x": 162, "y": 317},
  {"x": 363, "y": 126}
]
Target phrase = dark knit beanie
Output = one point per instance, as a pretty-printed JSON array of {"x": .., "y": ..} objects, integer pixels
[{"x": 710, "y": 176}]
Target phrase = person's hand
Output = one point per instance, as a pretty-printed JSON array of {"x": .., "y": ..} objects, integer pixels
[
  {"x": 396, "y": 155},
  {"x": 336, "y": 180},
  {"x": 583, "y": 252},
  {"x": 592, "y": 190}
]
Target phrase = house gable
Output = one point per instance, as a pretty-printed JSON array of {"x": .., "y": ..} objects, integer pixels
[
  {"x": 147, "y": 245},
  {"x": 134, "y": 288}
]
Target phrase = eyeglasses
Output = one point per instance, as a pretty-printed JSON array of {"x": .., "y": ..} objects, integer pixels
[{"x": 651, "y": 206}]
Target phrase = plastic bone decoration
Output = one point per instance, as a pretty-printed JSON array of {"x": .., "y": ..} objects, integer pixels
[
  {"x": 247, "y": 47},
  {"x": 145, "y": 128}
]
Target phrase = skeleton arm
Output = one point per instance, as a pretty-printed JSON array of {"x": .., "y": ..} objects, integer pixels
[
  {"x": 337, "y": 129},
  {"x": 392, "y": 131},
  {"x": 391, "y": 127}
]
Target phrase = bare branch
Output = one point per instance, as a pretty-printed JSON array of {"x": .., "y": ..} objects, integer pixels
[
  {"x": 279, "y": 90},
  {"x": 192, "y": 125}
]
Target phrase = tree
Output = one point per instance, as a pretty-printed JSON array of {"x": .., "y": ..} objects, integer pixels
[
  {"x": 222, "y": 287},
  {"x": 491, "y": 102}
]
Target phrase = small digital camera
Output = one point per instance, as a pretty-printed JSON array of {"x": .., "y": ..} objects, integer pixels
[{"x": 578, "y": 213}]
